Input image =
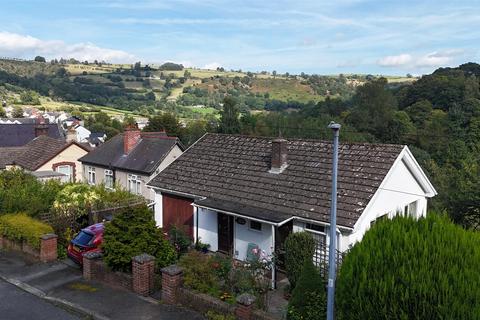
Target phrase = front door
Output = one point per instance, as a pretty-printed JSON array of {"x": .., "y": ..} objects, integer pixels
[{"x": 225, "y": 233}]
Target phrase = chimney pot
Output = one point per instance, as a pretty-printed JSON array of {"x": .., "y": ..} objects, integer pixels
[
  {"x": 130, "y": 139},
  {"x": 279, "y": 155}
]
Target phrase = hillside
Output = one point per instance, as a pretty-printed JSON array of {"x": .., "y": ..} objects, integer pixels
[{"x": 147, "y": 90}]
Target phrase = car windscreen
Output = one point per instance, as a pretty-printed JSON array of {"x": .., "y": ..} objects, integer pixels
[{"x": 83, "y": 239}]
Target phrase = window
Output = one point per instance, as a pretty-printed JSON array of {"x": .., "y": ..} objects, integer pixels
[
  {"x": 255, "y": 225},
  {"x": 315, "y": 227},
  {"x": 134, "y": 184},
  {"x": 66, "y": 170},
  {"x": 109, "y": 179},
  {"x": 412, "y": 209},
  {"x": 91, "y": 175},
  {"x": 385, "y": 216}
]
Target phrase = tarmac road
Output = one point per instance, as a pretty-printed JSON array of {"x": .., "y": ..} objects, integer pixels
[{"x": 16, "y": 304}]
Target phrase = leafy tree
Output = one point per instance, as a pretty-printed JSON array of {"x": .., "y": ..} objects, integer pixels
[
  {"x": 131, "y": 233},
  {"x": 17, "y": 112},
  {"x": 167, "y": 122},
  {"x": 308, "y": 301},
  {"x": 409, "y": 269},
  {"x": 40, "y": 59},
  {"x": 299, "y": 247},
  {"x": 229, "y": 120},
  {"x": 3, "y": 114}
]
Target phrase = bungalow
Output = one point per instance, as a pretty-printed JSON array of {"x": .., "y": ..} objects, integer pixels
[
  {"x": 46, "y": 158},
  {"x": 238, "y": 192},
  {"x": 131, "y": 159}
]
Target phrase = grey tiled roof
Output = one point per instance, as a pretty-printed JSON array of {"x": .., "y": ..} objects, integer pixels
[
  {"x": 9, "y": 154},
  {"x": 16, "y": 135},
  {"x": 38, "y": 151},
  {"x": 144, "y": 158},
  {"x": 232, "y": 172}
]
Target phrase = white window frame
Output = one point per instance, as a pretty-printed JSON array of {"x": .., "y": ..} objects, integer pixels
[
  {"x": 92, "y": 175},
  {"x": 70, "y": 170},
  {"x": 134, "y": 183},
  {"x": 109, "y": 173}
]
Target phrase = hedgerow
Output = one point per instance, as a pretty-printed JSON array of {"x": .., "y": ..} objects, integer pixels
[
  {"x": 21, "y": 227},
  {"x": 408, "y": 269}
]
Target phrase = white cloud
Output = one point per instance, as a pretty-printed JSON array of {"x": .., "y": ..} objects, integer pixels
[
  {"x": 395, "y": 61},
  {"x": 212, "y": 66},
  {"x": 433, "y": 59},
  {"x": 18, "y": 45}
]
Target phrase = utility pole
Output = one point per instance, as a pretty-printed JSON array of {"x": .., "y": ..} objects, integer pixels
[{"x": 332, "y": 248}]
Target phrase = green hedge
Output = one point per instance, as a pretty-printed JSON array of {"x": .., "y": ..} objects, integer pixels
[
  {"x": 408, "y": 269},
  {"x": 299, "y": 247},
  {"x": 20, "y": 227}
]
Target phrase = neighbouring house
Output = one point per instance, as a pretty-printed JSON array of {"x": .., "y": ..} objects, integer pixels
[
  {"x": 19, "y": 134},
  {"x": 97, "y": 138},
  {"x": 46, "y": 158},
  {"x": 131, "y": 159},
  {"x": 238, "y": 192},
  {"x": 78, "y": 133}
]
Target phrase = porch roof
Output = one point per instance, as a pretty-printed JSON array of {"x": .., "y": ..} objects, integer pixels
[{"x": 243, "y": 210}]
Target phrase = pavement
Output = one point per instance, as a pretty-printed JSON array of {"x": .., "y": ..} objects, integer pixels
[{"x": 61, "y": 284}]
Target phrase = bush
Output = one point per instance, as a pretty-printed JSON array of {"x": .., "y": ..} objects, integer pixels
[
  {"x": 199, "y": 273},
  {"x": 212, "y": 315},
  {"x": 20, "y": 227},
  {"x": 180, "y": 239},
  {"x": 133, "y": 232},
  {"x": 407, "y": 269},
  {"x": 308, "y": 300},
  {"x": 299, "y": 247}
]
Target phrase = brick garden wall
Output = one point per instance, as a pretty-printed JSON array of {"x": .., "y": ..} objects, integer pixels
[
  {"x": 203, "y": 302},
  {"x": 95, "y": 269},
  {"x": 46, "y": 253}
]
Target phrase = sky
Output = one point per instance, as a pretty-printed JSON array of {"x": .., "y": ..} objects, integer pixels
[{"x": 311, "y": 36}]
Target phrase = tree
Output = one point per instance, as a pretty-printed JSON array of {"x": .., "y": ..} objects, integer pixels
[
  {"x": 40, "y": 59},
  {"x": 308, "y": 301},
  {"x": 299, "y": 247},
  {"x": 131, "y": 233},
  {"x": 409, "y": 269},
  {"x": 167, "y": 122},
  {"x": 229, "y": 118},
  {"x": 17, "y": 112},
  {"x": 274, "y": 73},
  {"x": 3, "y": 114}
]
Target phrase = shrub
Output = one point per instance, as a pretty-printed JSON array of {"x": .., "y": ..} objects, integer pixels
[
  {"x": 133, "y": 232},
  {"x": 407, "y": 269},
  {"x": 212, "y": 315},
  {"x": 308, "y": 300},
  {"x": 180, "y": 239},
  {"x": 20, "y": 227},
  {"x": 299, "y": 246},
  {"x": 199, "y": 274}
]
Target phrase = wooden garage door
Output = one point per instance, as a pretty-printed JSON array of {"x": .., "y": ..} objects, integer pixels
[{"x": 178, "y": 211}]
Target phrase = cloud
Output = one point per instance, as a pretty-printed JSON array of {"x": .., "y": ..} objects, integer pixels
[
  {"x": 395, "y": 61},
  {"x": 433, "y": 59},
  {"x": 26, "y": 46},
  {"x": 212, "y": 66}
]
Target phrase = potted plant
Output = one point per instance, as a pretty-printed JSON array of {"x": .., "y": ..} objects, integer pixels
[{"x": 202, "y": 247}]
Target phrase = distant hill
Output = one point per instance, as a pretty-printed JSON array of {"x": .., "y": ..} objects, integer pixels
[{"x": 146, "y": 89}]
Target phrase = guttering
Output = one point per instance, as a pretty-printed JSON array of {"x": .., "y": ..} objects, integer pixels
[
  {"x": 277, "y": 224},
  {"x": 176, "y": 193}
]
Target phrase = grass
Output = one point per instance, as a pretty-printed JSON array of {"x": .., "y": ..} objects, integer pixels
[{"x": 286, "y": 90}]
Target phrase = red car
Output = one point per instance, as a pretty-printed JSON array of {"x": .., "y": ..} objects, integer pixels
[{"x": 88, "y": 240}]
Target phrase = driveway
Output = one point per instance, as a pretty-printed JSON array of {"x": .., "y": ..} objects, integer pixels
[{"x": 20, "y": 305}]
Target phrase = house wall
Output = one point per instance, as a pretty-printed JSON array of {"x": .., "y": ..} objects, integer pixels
[
  {"x": 70, "y": 154},
  {"x": 208, "y": 227},
  {"x": 121, "y": 176},
  {"x": 244, "y": 235}
]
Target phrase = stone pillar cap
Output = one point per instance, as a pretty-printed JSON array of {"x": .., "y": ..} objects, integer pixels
[
  {"x": 172, "y": 270},
  {"x": 93, "y": 255},
  {"x": 48, "y": 236},
  {"x": 142, "y": 258},
  {"x": 246, "y": 299}
]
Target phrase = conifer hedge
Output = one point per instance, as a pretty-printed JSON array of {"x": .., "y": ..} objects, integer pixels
[
  {"x": 407, "y": 269},
  {"x": 299, "y": 247}
]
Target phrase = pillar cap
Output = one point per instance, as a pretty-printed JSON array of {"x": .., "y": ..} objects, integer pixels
[
  {"x": 172, "y": 270},
  {"x": 48, "y": 236},
  {"x": 143, "y": 258},
  {"x": 93, "y": 255},
  {"x": 246, "y": 299}
]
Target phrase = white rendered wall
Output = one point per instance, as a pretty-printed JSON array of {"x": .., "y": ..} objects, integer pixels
[
  {"x": 158, "y": 209},
  {"x": 207, "y": 227},
  {"x": 244, "y": 235}
]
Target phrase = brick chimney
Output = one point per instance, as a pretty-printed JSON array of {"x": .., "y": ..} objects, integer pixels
[
  {"x": 41, "y": 130},
  {"x": 131, "y": 136},
  {"x": 279, "y": 156},
  {"x": 71, "y": 135}
]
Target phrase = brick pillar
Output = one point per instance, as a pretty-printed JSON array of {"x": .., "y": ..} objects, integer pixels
[
  {"x": 244, "y": 308},
  {"x": 89, "y": 269},
  {"x": 171, "y": 281},
  {"x": 48, "y": 247},
  {"x": 143, "y": 272}
]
